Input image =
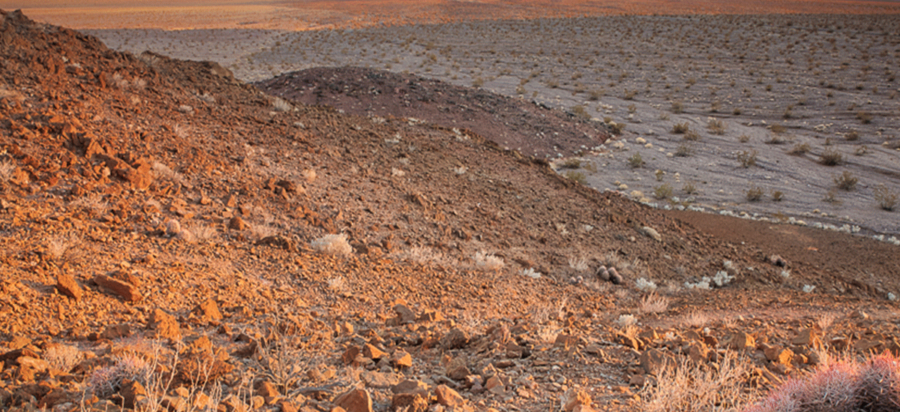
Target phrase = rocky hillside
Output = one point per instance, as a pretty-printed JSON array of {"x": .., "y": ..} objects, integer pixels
[{"x": 175, "y": 239}]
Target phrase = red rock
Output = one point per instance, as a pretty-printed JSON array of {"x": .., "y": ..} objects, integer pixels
[
  {"x": 455, "y": 339},
  {"x": 355, "y": 400},
  {"x": 574, "y": 397},
  {"x": 165, "y": 325},
  {"x": 807, "y": 337},
  {"x": 401, "y": 359},
  {"x": 350, "y": 354},
  {"x": 778, "y": 354},
  {"x": 131, "y": 392},
  {"x": 371, "y": 352},
  {"x": 457, "y": 368},
  {"x": 448, "y": 397},
  {"x": 654, "y": 361},
  {"x": 267, "y": 389},
  {"x": 404, "y": 314},
  {"x": 410, "y": 386},
  {"x": 409, "y": 402},
  {"x": 237, "y": 223},
  {"x": 741, "y": 341},
  {"x": 126, "y": 291},
  {"x": 116, "y": 332},
  {"x": 208, "y": 311},
  {"x": 66, "y": 285}
]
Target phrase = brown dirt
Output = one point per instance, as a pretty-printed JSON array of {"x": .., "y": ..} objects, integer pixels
[
  {"x": 130, "y": 172},
  {"x": 515, "y": 124}
]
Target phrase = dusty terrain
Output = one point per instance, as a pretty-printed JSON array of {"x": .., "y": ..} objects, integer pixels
[
  {"x": 355, "y": 14},
  {"x": 164, "y": 232},
  {"x": 789, "y": 92}
]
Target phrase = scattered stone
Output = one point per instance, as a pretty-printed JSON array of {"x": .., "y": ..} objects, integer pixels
[
  {"x": 654, "y": 361},
  {"x": 575, "y": 397},
  {"x": 740, "y": 341},
  {"x": 378, "y": 379},
  {"x": 455, "y": 339},
  {"x": 401, "y": 359},
  {"x": 66, "y": 285},
  {"x": 354, "y": 400},
  {"x": 237, "y": 223},
  {"x": 409, "y": 402},
  {"x": 164, "y": 324},
  {"x": 126, "y": 291},
  {"x": 808, "y": 337},
  {"x": 457, "y": 368},
  {"x": 448, "y": 397},
  {"x": 131, "y": 393},
  {"x": 208, "y": 311},
  {"x": 410, "y": 386},
  {"x": 779, "y": 354},
  {"x": 372, "y": 352}
]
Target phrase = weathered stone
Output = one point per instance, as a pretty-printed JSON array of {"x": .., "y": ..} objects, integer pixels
[
  {"x": 378, "y": 379},
  {"x": 741, "y": 341},
  {"x": 575, "y": 397},
  {"x": 409, "y": 402},
  {"x": 208, "y": 311},
  {"x": 401, "y": 359},
  {"x": 410, "y": 386},
  {"x": 66, "y": 285},
  {"x": 126, "y": 291},
  {"x": 807, "y": 337},
  {"x": 165, "y": 325},
  {"x": 131, "y": 392},
  {"x": 404, "y": 314},
  {"x": 355, "y": 400},
  {"x": 455, "y": 339},
  {"x": 457, "y": 368},
  {"x": 350, "y": 354},
  {"x": 116, "y": 332},
  {"x": 237, "y": 223},
  {"x": 628, "y": 341},
  {"x": 266, "y": 389},
  {"x": 448, "y": 397},
  {"x": 654, "y": 361},
  {"x": 778, "y": 354},
  {"x": 372, "y": 352}
]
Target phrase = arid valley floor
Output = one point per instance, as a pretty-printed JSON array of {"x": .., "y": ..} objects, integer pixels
[{"x": 529, "y": 215}]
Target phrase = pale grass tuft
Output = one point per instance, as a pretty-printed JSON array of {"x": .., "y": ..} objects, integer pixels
[
  {"x": 626, "y": 320},
  {"x": 578, "y": 264},
  {"x": 62, "y": 357},
  {"x": 93, "y": 202},
  {"x": 262, "y": 231},
  {"x": 163, "y": 172},
  {"x": 692, "y": 387},
  {"x": 645, "y": 285},
  {"x": 488, "y": 262},
  {"x": 281, "y": 105},
  {"x": 336, "y": 284},
  {"x": 696, "y": 319},
  {"x": 530, "y": 272},
  {"x": 7, "y": 167},
  {"x": 203, "y": 233},
  {"x": 654, "y": 303},
  {"x": 332, "y": 244},
  {"x": 59, "y": 246},
  {"x": 425, "y": 256}
]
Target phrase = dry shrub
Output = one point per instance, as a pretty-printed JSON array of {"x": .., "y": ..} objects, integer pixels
[
  {"x": 680, "y": 128},
  {"x": 654, "y": 303},
  {"x": 831, "y": 157},
  {"x": 755, "y": 193},
  {"x": 692, "y": 387},
  {"x": 885, "y": 197},
  {"x": 843, "y": 385},
  {"x": 799, "y": 149},
  {"x": 747, "y": 158},
  {"x": 332, "y": 244},
  {"x": 846, "y": 181},
  {"x": 488, "y": 262}
]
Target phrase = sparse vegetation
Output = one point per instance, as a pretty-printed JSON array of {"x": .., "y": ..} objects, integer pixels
[
  {"x": 716, "y": 126},
  {"x": 680, "y": 128},
  {"x": 576, "y": 176},
  {"x": 747, "y": 158},
  {"x": 885, "y": 197},
  {"x": 684, "y": 149},
  {"x": 663, "y": 191},
  {"x": 636, "y": 160},
  {"x": 846, "y": 181},
  {"x": 754, "y": 193},
  {"x": 831, "y": 157},
  {"x": 800, "y": 149}
]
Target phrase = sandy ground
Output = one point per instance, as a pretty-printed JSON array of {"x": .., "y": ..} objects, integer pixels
[{"x": 775, "y": 82}]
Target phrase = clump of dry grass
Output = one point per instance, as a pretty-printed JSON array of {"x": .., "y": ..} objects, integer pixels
[
  {"x": 885, "y": 197},
  {"x": 332, "y": 244},
  {"x": 846, "y": 181},
  {"x": 692, "y": 387}
]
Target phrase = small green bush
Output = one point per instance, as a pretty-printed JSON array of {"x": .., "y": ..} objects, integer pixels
[
  {"x": 636, "y": 161},
  {"x": 663, "y": 191}
]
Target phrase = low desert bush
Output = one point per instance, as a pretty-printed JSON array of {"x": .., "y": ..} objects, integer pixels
[
  {"x": 636, "y": 160},
  {"x": 852, "y": 136},
  {"x": 571, "y": 164},
  {"x": 576, "y": 176},
  {"x": 332, "y": 244},
  {"x": 691, "y": 136},
  {"x": 677, "y": 107},
  {"x": 716, "y": 126},
  {"x": 831, "y": 157},
  {"x": 663, "y": 191},
  {"x": 654, "y": 303},
  {"x": 744, "y": 138},
  {"x": 839, "y": 385},
  {"x": 754, "y": 193},
  {"x": 684, "y": 149},
  {"x": 885, "y": 197},
  {"x": 747, "y": 158},
  {"x": 689, "y": 187},
  {"x": 799, "y": 149},
  {"x": 846, "y": 181},
  {"x": 680, "y": 128},
  {"x": 580, "y": 112},
  {"x": 777, "y": 195},
  {"x": 686, "y": 386}
]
